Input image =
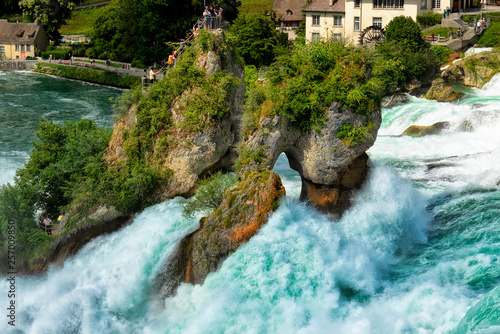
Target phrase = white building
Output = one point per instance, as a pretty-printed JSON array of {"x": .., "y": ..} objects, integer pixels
[{"x": 348, "y": 18}]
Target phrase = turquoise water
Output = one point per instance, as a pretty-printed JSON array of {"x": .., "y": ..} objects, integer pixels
[
  {"x": 27, "y": 98},
  {"x": 417, "y": 253}
]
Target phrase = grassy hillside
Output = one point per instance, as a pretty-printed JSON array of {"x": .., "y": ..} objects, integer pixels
[
  {"x": 81, "y": 22},
  {"x": 256, "y": 6}
]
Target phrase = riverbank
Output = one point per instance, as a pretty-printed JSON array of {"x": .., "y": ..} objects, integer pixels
[{"x": 94, "y": 75}]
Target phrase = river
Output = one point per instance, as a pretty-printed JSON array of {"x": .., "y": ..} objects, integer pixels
[{"x": 417, "y": 253}]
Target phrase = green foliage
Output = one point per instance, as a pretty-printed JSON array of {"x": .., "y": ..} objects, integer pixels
[
  {"x": 352, "y": 135},
  {"x": 429, "y": 20},
  {"x": 57, "y": 54},
  {"x": 8, "y": 7},
  {"x": 51, "y": 14},
  {"x": 18, "y": 204},
  {"x": 129, "y": 30},
  {"x": 255, "y": 96},
  {"x": 247, "y": 156},
  {"x": 303, "y": 84},
  {"x": 441, "y": 31},
  {"x": 209, "y": 195},
  {"x": 255, "y": 38},
  {"x": 491, "y": 36},
  {"x": 90, "y": 74},
  {"x": 405, "y": 32},
  {"x": 441, "y": 53},
  {"x": 408, "y": 63}
]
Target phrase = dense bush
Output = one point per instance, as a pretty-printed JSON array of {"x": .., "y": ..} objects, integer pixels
[
  {"x": 256, "y": 39},
  {"x": 441, "y": 53},
  {"x": 57, "y": 54},
  {"x": 429, "y": 20},
  {"x": 491, "y": 36},
  {"x": 303, "y": 83},
  {"x": 95, "y": 75},
  {"x": 405, "y": 32},
  {"x": 209, "y": 195}
]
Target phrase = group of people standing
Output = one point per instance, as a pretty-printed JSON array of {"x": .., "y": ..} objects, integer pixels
[
  {"x": 45, "y": 222},
  {"x": 212, "y": 18}
]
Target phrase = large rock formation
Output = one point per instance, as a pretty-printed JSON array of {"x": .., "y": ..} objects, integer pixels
[
  {"x": 190, "y": 154},
  {"x": 330, "y": 167},
  {"x": 244, "y": 210},
  {"x": 475, "y": 70}
]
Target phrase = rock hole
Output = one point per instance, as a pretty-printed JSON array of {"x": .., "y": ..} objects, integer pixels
[{"x": 290, "y": 178}]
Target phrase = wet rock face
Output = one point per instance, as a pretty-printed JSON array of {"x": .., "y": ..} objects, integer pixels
[
  {"x": 243, "y": 211},
  {"x": 321, "y": 157},
  {"x": 441, "y": 92},
  {"x": 393, "y": 100}
]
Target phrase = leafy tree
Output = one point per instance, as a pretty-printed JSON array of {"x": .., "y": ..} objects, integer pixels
[
  {"x": 52, "y": 14},
  {"x": 255, "y": 38},
  {"x": 8, "y": 7},
  {"x": 140, "y": 29},
  {"x": 405, "y": 32}
]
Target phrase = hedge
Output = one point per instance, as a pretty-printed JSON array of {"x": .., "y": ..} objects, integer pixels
[
  {"x": 89, "y": 74},
  {"x": 58, "y": 54},
  {"x": 429, "y": 20}
]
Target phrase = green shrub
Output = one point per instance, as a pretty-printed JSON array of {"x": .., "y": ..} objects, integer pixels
[
  {"x": 429, "y": 20},
  {"x": 209, "y": 195},
  {"x": 57, "y": 54},
  {"x": 442, "y": 53},
  {"x": 352, "y": 135},
  {"x": 490, "y": 36}
]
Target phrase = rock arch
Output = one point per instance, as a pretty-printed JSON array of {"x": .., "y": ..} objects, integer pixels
[{"x": 330, "y": 170}]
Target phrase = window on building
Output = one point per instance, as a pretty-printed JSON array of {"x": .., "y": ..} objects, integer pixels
[
  {"x": 315, "y": 20},
  {"x": 2, "y": 49},
  {"x": 22, "y": 48},
  {"x": 337, "y": 37},
  {"x": 289, "y": 12},
  {"x": 337, "y": 21},
  {"x": 388, "y": 3},
  {"x": 315, "y": 37},
  {"x": 436, "y": 4},
  {"x": 377, "y": 21},
  {"x": 399, "y": 3},
  {"x": 423, "y": 4},
  {"x": 356, "y": 23},
  {"x": 28, "y": 48},
  {"x": 357, "y": 3},
  {"x": 17, "y": 47},
  {"x": 377, "y": 3}
]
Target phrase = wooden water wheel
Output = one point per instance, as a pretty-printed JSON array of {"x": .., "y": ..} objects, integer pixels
[{"x": 371, "y": 35}]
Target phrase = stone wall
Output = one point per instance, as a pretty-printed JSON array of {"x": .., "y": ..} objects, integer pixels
[{"x": 17, "y": 65}]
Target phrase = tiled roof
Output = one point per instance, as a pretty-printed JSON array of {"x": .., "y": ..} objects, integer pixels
[
  {"x": 295, "y": 6},
  {"x": 324, "y": 6},
  {"x": 18, "y": 32}
]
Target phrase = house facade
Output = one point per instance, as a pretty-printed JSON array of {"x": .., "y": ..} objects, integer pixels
[
  {"x": 346, "y": 19},
  {"x": 19, "y": 40},
  {"x": 289, "y": 14}
]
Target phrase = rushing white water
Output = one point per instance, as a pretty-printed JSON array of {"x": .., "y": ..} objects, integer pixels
[{"x": 417, "y": 253}]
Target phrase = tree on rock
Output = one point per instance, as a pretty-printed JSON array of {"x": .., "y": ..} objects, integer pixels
[
  {"x": 51, "y": 14},
  {"x": 405, "y": 32},
  {"x": 256, "y": 39}
]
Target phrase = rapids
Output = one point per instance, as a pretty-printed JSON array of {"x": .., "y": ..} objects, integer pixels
[{"x": 417, "y": 253}]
